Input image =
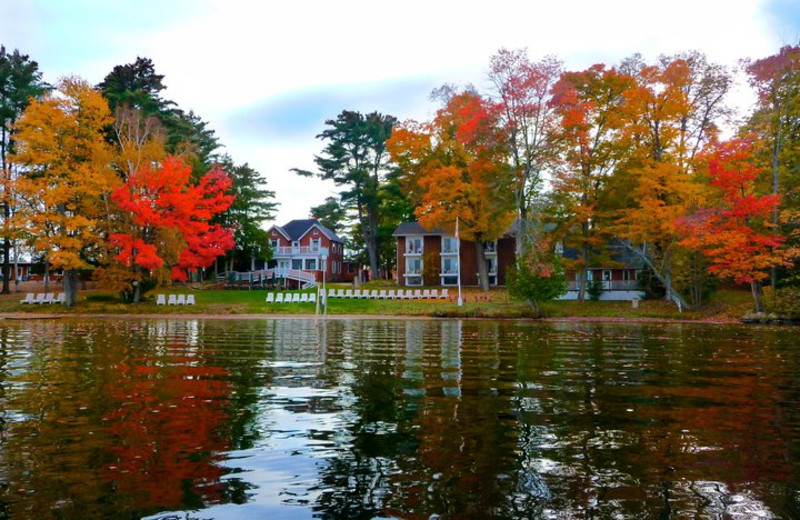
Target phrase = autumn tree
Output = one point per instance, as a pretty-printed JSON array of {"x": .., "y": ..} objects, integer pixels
[
  {"x": 456, "y": 166},
  {"x": 67, "y": 178},
  {"x": 356, "y": 159},
  {"x": 20, "y": 82},
  {"x": 589, "y": 105},
  {"x": 522, "y": 90},
  {"x": 162, "y": 204},
  {"x": 776, "y": 120},
  {"x": 252, "y": 206},
  {"x": 671, "y": 114},
  {"x": 137, "y": 86},
  {"x": 733, "y": 230}
]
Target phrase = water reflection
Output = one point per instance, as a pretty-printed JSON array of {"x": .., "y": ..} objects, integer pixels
[{"x": 407, "y": 419}]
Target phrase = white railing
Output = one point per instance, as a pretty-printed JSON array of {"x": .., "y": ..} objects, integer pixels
[
  {"x": 608, "y": 285},
  {"x": 304, "y": 250},
  {"x": 305, "y": 277}
]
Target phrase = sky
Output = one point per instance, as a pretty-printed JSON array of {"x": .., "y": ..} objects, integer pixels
[{"x": 267, "y": 75}]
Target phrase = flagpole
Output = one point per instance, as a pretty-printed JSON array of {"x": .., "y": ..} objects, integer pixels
[{"x": 458, "y": 263}]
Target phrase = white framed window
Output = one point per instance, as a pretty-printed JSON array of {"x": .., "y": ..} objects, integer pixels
[
  {"x": 448, "y": 244},
  {"x": 414, "y": 245},
  {"x": 297, "y": 264},
  {"x": 274, "y": 244},
  {"x": 314, "y": 245},
  {"x": 311, "y": 264},
  {"x": 414, "y": 266},
  {"x": 490, "y": 247},
  {"x": 449, "y": 265},
  {"x": 295, "y": 246}
]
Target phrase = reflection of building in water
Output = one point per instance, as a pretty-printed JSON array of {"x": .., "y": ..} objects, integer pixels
[{"x": 451, "y": 357}]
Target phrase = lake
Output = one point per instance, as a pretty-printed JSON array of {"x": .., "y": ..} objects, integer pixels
[{"x": 414, "y": 419}]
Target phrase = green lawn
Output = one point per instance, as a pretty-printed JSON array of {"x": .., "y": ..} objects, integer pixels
[{"x": 724, "y": 304}]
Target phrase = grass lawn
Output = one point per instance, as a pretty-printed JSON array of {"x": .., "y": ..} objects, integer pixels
[{"x": 725, "y": 304}]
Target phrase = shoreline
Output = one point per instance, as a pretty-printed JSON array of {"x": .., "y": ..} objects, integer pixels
[{"x": 26, "y": 316}]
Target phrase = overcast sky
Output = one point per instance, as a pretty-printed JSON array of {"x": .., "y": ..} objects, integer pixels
[{"x": 266, "y": 75}]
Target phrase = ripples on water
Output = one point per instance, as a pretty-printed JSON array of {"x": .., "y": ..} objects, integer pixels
[{"x": 396, "y": 419}]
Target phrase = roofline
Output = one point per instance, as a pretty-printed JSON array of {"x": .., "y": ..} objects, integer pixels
[
  {"x": 281, "y": 231},
  {"x": 317, "y": 225}
]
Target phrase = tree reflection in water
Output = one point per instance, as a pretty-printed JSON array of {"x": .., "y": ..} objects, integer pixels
[{"x": 389, "y": 418}]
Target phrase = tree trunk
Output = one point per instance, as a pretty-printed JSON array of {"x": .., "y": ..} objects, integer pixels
[
  {"x": 755, "y": 288},
  {"x": 46, "y": 276},
  {"x": 6, "y": 171},
  {"x": 676, "y": 297},
  {"x": 71, "y": 287},
  {"x": 581, "y": 274},
  {"x": 533, "y": 304},
  {"x": 776, "y": 150},
  {"x": 137, "y": 286},
  {"x": 483, "y": 272},
  {"x": 16, "y": 267}
]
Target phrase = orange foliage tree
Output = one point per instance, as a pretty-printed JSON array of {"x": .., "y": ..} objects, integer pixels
[
  {"x": 589, "y": 104},
  {"x": 671, "y": 115},
  {"x": 734, "y": 231},
  {"x": 161, "y": 201},
  {"x": 456, "y": 167},
  {"x": 64, "y": 191}
]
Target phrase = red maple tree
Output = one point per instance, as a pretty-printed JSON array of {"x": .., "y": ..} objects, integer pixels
[
  {"x": 734, "y": 231},
  {"x": 164, "y": 198}
]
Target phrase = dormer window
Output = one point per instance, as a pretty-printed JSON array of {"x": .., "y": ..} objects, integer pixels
[{"x": 316, "y": 232}]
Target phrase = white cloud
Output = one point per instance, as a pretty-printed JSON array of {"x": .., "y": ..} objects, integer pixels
[{"x": 226, "y": 57}]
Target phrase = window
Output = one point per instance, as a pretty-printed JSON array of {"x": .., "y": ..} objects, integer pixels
[
  {"x": 414, "y": 266},
  {"x": 315, "y": 245},
  {"x": 315, "y": 233},
  {"x": 491, "y": 265},
  {"x": 414, "y": 245},
  {"x": 448, "y": 245},
  {"x": 449, "y": 265},
  {"x": 351, "y": 268},
  {"x": 297, "y": 264},
  {"x": 311, "y": 264},
  {"x": 274, "y": 244},
  {"x": 490, "y": 247},
  {"x": 295, "y": 246},
  {"x": 626, "y": 274}
]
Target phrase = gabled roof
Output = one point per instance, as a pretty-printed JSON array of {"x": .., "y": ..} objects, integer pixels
[
  {"x": 281, "y": 231},
  {"x": 414, "y": 228},
  {"x": 295, "y": 229}
]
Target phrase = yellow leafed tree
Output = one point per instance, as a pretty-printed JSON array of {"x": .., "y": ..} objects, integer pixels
[{"x": 67, "y": 178}]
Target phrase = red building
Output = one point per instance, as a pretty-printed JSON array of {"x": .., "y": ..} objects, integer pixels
[
  {"x": 307, "y": 245},
  {"x": 429, "y": 257}
]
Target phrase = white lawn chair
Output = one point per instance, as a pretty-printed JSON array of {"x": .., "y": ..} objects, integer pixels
[
  {"x": 331, "y": 293},
  {"x": 417, "y": 295},
  {"x": 190, "y": 299},
  {"x": 374, "y": 294},
  {"x": 434, "y": 293},
  {"x": 172, "y": 300},
  {"x": 161, "y": 299},
  {"x": 41, "y": 298},
  {"x": 348, "y": 293},
  {"x": 445, "y": 293},
  {"x": 304, "y": 298},
  {"x": 391, "y": 294},
  {"x": 382, "y": 295},
  {"x": 426, "y": 294},
  {"x": 312, "y": 298},
  {"x": 279, "y": 298},
  {"x": 29, "y": 298},
  {"x": 61, "y": 298},
  {"x": 296, "y": 298},
  {"x": 50, "y": 298},
  {"x": 181, "y": 299},
  {"x": 340, "y": 293},
  {"x": 356, "y": 294},
  {"x": 270, "y": 298}
]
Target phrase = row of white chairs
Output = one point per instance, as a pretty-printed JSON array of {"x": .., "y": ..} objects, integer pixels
[
  {"x": 400, "y": 294},
  {"x": 175, "y": 299},
  {"x": 291, "y": 297},
  {"x": 44, "y": 298}
]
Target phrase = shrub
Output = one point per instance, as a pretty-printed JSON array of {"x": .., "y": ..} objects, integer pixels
[
  {"x": 594, "y": 289},
  {"x": 784, "y": 301}
]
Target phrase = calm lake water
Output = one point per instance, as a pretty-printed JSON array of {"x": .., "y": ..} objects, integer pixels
[{"x": 292, "y": 418}]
